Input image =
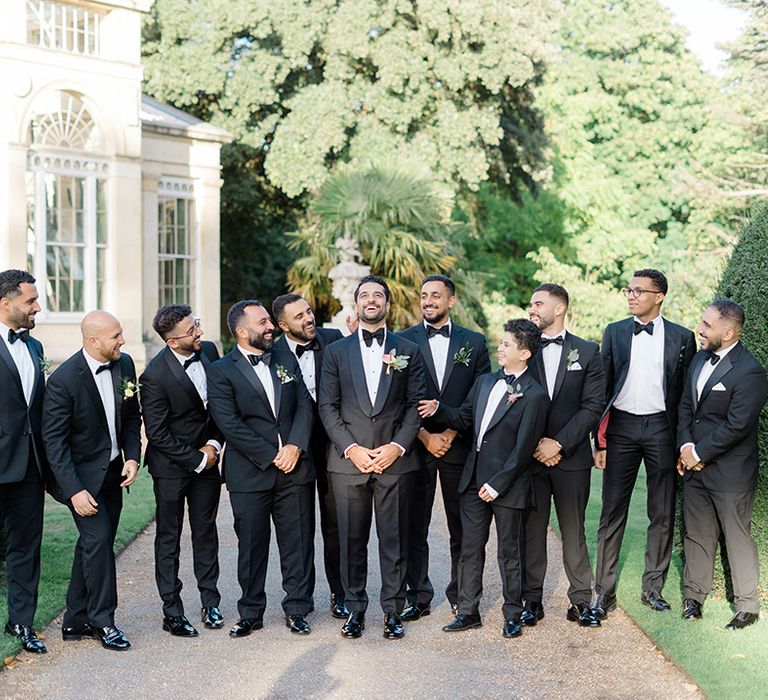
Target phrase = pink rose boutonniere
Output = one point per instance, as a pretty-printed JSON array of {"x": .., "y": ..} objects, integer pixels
[
  {"x": 394, "y": 361},
  {"x": 513, "y": 394}
]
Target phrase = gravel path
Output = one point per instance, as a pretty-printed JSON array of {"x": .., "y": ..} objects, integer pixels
[{"x": 556, "y": 659}]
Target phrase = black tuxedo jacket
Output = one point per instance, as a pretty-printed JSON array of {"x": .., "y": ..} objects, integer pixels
[
  {"x": 723, "y": 423},
  {"x": 239, "y": 406},
  {"x": 577, "y": 400},
  {"x": 506, "y": 454},
  {"x": 176, "y": 421},
  {"x": 679, "y": 348},
  {"x": 346, "y": 410},
  {"x": 457, "y": 381},
  {"x": 17, "y": 420},
  {"x": 75, "y": 430}
]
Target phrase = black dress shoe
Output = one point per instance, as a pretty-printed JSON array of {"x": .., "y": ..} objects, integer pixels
[
  {"x": 244, "y": 626},
  {"x": 28, "y": 638},
  {"x": 338, "y": 607},
  {"x": 413, "y": 611},
  {"x": 512, "y": 628},
  {"x": 742, "y": 620},
  {"x": 112, "y": 638},
  {"x": 178, "y": 626},
  {"x": 297, "y": 624},
  {"x": 464, "y": 622},
  {"x": 212, "y": 618},
  {"x": 76, "y": 633},
  {"x": 354, "y": 626},
  {"x": 583, "y": 614},
  {"x": 655, "y": 601},
  {"x": 691, "y": 609},
  {"x": 393, "y": 626},
  {"x": 532, "y": 613},
  {"x": 603, "y": 605}
]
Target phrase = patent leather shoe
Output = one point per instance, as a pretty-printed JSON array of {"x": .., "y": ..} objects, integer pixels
[
  {"x": 603, "y": 605},
  {"x": 297, "y": 624},
  {"x": 211, "y": 617},
  {"x": 338, "y": 607},
  {"x": 244, "y": 626},
  {"x": 74, "y": 633},
  {"x": 179, "y": 626},
  {"x": 354, "y": 626},
  {"x": 28, "y": 638},
  {"x": 742, "y": 620},
  {"x": 512, "y": 628},
  {"x": 583, "y": 614},
  {"x": 654, "y": 601},
  {"x": 112, "y": 638},
  {"x": 393, "y": 626},
  {"x": 413, "y": 611},
  {"x": 532, "y": 613},
  {"x": 463, "y": 622}
]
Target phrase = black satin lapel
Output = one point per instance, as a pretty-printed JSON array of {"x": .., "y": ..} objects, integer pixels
[
  {"x": 723, "y": 367},
  {"x": 37, "y": 359},
  {"x": 562, "y": 368},
  {"x": 6, "y": 357},
  {"x": 116, "y": 381},
  {"x": 624, "y": 350},
  {"x": 536, "y": 368},
  {"x": 482, "y": 402},
  {"x": 177, "y": 369},
  {"x": 278, "y": 386},
  {"x": 426, "y": 352},
  {"x": 248, "y": 372},
  {"x": 671, "y": 352},
  {"x": 505, "y": 404},
  {"x": 90, "y": 386},
  {"x": 385, "y": 380},
  {"x": 457, "y": 337}
]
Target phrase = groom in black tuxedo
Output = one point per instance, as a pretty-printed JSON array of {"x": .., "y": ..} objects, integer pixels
[
  {"x": 22, "y": 457},
  {"x": 717, "y": 436},
  {"x": 183, "y": 455},
  {"x": 372, "y": 383},
  {"x": 92, "y": 436}
]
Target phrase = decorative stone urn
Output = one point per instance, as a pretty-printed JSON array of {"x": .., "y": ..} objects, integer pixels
[{"x": 345, "y": 276}]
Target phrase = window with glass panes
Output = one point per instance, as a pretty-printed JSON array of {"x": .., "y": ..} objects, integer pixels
[{"x": 175, "y": 250}]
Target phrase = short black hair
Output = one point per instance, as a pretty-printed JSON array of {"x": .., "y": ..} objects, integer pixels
[
  {"x": 279, "y": 304},
  {"x": 730, "y": 311},
  {"x": 658, "y": 277},
  {"x": 447, "y": 281},
  {"x": 556, "y": 290},
  {"x": 236, "y": 313},
  {"x": 167, "y": 317},
  {"x": 377, "y": 280},
  {"x": 11, "y": 281},
  {"x": 526, "y": 333}
]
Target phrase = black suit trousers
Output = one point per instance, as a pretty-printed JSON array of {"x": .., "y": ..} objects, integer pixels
[
  {"x": 329, "y": 528},
  {"x": 21, "y": 506},
  {"x": 201, "y": 495},
  {"x": 703, "y": 510},
  {"x": 570, "y": 491},
  {"x": 631, "y": 440}
]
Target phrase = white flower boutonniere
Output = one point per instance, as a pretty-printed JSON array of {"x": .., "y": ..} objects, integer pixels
[
  {"x": 128, "y": 388},
  {"x": 572, "y": 359},
  {"x": 463, "y": 355},
  {"x": 394, "y": 361},
  {"x": 45, "y": 365},
  {"x": 284, "y": 375},
  {"x": 514, "y": 393}
]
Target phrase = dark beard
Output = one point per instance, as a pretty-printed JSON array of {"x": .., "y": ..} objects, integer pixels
[
  {"x": 303, "y": 336},
  {"x": 437, "y": 319},
  {"x": 260, "y": 342}
]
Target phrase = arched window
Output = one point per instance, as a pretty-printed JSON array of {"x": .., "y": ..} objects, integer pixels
[{"x": 66, "y": 204}]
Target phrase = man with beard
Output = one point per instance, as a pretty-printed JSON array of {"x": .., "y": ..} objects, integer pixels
[
  {"x": 259, "y": 401},
  {"x": 308, "y": 342},
  {"x": 182, "y": 456},
  {"x": 92, "y": 436},
  {"x": 22, "y": 457},
  {"x": 372, "y": 382},
  {"x": 454, "y": 357},
  {"x": 717, "y": 435},
  {"x": 571, "y": 371}
]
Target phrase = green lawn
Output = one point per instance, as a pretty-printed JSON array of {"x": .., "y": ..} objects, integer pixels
[
  {"x": 723, "y": 664},
  {"x": 59, "y": 538}
]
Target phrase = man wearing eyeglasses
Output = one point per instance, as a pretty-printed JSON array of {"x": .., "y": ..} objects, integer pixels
[
  {"x": 182, "y": 457},
  {"x": 646, "y": 358}
]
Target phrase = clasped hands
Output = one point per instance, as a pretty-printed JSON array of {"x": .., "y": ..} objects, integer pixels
[
  {"x": 548, "y": 452},
  {"x": 373, "y": 461},
  {"x": 287, "y": 458},
  {"x": 212, "y": 456},
  {"x": 686, "y": 461},
  {"x": 437, "y": 444}
]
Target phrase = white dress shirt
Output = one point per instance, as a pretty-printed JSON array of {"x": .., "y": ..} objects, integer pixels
[
  {"x": 372, "y": 364},
  {"x": 551, "y": 356},
  {"x": 22, "y": 358},
  {"x": 643, "y": 390},
  {"x": 107, "y": 393},
  {"x": 438, "y": 346},
  {"x": 307, "y": 367},
  {"x": 263, "y": 374}
]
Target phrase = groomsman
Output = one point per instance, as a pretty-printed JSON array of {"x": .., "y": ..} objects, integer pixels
[
  {"x": 646, "y": 358},
  {"x": 182, "y": 456},
  {"x": 259, "y": 401},
  {"x": 92, "y": 436},
  {"x": 571, "y": 371},
  {"x": 371, "y": 386},
  {"x": 308, "y": 342},
  {"x": 717, "y": 436},
  {"x": 454, "y": 357},
  {"x": 22, "y": 458},
  {"x": 508, "y": 412}
]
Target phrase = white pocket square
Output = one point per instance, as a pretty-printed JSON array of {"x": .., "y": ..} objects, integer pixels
[
  {"x": 718, "y": 387},
  {"x": 575, "y": 366}
]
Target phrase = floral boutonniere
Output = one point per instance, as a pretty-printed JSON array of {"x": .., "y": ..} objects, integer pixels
[
  {"x": 514, "y": 393},
  {"x": 128, "y": 389},
  {"x": 284, "y": 375},
  {"x": 463, "y": 355},
  {"x": 572, "y": 359},
  {"x": 45, "y": 364},
  {"x": 394, "y": 361}
]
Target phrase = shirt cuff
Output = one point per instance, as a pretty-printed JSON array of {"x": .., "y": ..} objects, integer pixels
[
  {"x": 202, "y": 464},
  {"x": 693, "y": 450},
  {"x": 399, "y": 447},
  {"x": 215, "y": 445},
  {"x": 346, "y": 452},
  {"x": 494, "y": 493}
]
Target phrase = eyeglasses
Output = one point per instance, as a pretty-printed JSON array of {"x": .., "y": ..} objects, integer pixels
[
  {"x": 190, "y": 333},
  {"x": 638, "y": 291}
]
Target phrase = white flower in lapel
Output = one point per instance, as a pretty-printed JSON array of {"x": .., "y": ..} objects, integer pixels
[
  {"x": 394, "y": 361},
  {"x": 463, "y": 354},
  {"x": 45, "y": 364},
  {"x": 572, "y": 359},
  {"x": 513, "y": 394},
  {"x": 128, "y": 389},
  {"x": 284, "y": 375}
]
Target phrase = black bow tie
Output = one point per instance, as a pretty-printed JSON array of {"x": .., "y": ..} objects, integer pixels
[
  {"x": 548, "y": 341},
  {"x": 639, "y": 328},
  {"x": 713, "y": 358},
  {"x": 13, "y": 336},
  {"x": 264, "y": 357},
  {"x": 311, "y": 346},
  {"x": 445, "y": 331},
  {"x": 508, "y": 378},
  {"x": 194, "y": 357},
  {"x": 104, "y": 368},
  {"x": 369, "y": 337}
]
